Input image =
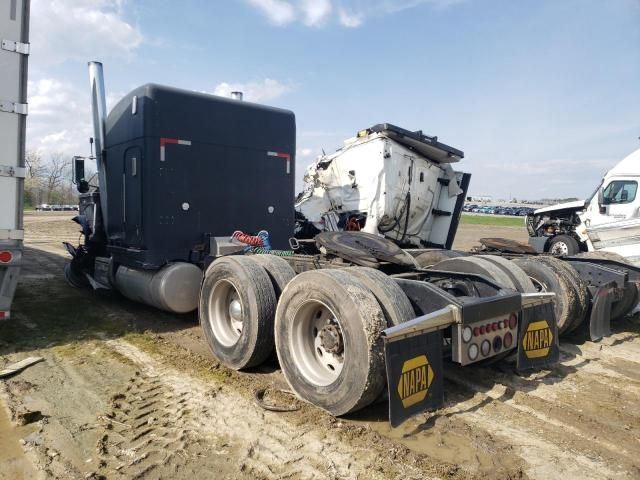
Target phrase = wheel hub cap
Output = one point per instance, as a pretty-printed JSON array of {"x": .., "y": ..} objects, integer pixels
[
  {"x": 235, "y": 310},
  {"x": 331, "y": 340},
  {"x": 560, "y": 248}
]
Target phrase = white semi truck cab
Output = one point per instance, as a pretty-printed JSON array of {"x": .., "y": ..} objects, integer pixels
[
  {"x": 608, "y": 221},
  {"x": 14, "y": 51}
]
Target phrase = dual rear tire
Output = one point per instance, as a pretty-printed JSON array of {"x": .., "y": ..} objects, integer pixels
[
  {"x": 530, "y": 275},
  {"x": 326, "y": 328}
]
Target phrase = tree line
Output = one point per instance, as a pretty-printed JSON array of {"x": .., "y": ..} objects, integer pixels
[{"x": 48, "y": 180}]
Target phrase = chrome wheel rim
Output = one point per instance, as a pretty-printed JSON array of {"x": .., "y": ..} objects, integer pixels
[
  {"x": 560, "y": 248},
  {"x": 317, "y": 343},
  {"x": 226, "y": 314}
]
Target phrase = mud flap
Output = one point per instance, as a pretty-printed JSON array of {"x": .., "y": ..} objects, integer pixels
[
  {"x": 414, "y": 375},
  {"x": 600, "y": 317},
  {"x": 538, "y": 344}
]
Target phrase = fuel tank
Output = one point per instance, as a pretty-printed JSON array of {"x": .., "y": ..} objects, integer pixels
[{"x": 174, "y": 288}]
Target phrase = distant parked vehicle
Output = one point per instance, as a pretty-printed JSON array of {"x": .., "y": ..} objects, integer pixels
[
  {"x": 43, "y": 207},
  {"x": 56, "y": 208}
]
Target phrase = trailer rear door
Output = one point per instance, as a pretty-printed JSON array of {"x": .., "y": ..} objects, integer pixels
[{"x": 14, "y": 51}]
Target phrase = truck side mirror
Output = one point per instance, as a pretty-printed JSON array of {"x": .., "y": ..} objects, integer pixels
[
  {"x": 603, "y": 209},
  {"x": 78, "y": 175}
]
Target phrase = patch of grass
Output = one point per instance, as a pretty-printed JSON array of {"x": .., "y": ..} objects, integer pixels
[
  {"x": 499, "y": 221},
  {"x": 50, "y": 313},
  {"x": 180, "y": 358}
]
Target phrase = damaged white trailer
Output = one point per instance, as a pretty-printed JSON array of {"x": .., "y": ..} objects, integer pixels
[{"x": 389, "y": 181}]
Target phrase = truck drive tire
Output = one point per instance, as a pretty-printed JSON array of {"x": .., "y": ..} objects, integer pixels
[
  {"x": 479, "y": 266},
  {"x": 278, "y": 269},
  {"x": 581, "y": 290},
  {"x": 427, "y": 259},
  {"x": 518, "y": 276},
  {"x": 393, "y": 301},
  {"x": 236, "y": 311},
  {"x": 562, "y": 245},
  {"x": 548, "y": 275},
  {"x": 75, "y": 278},
  {"x": 328, "y": 338}
]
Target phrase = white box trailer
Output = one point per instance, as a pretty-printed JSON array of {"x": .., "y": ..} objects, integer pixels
[{"x": 14, "y": 52}]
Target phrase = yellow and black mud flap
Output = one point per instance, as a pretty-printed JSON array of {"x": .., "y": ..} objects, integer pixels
[
  {"x": 414, "y": 375},
  {"x": 537, "y": 337}
]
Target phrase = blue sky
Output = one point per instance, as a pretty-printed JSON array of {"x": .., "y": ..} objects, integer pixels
[{"x": 542, "y": 96}]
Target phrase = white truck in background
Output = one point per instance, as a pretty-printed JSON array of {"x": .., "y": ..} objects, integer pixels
[
  {"x": 14, "y": 52},
  {"x": 608, "y": 221}
]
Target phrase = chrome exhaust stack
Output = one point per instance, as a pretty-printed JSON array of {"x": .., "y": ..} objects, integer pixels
[
  {"x": 98, "y": 107},
  {"x": 99, "y": 115}
]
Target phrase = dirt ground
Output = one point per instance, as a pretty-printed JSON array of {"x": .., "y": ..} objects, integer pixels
[{"x": 126, "y": 391}]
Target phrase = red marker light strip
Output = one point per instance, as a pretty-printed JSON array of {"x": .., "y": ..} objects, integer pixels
[
  {"x": 170, "y": 141},
  {"x": 282, "y": 155},
  {"x": 279, "y": 154}
]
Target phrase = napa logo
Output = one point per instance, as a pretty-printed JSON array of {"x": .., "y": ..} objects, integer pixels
[
  {"x": 537, "y": 340},
  {"x": 415, "y": 380}
]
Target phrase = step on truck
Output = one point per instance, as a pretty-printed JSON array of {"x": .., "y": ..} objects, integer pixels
[
  {"x": 14, "y": 52},
  {"x": 193, "y": 209}
]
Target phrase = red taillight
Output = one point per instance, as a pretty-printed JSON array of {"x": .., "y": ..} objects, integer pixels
[
  {"x": 6, "y": 256},
  {"x": 3, "y": 315},
  {"x": 481, "y": 329},
  {"x": 494, "y": 326},
  {"x": 476, "y": 331},
  {"x": 507, "y": 340},
  {"x": 513, "y": 321}
]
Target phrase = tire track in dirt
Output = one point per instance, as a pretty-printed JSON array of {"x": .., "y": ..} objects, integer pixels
[
  {"x": 147, "y": 434},
  {"x": 163, "y": 410},
  {"x": 599, "y": 435}
]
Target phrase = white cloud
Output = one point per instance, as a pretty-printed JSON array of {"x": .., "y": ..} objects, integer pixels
[
  {"x": 350, "y": 20},
  {"x": 80, "y": 30},
  {"x": 304, "y": 152},
  {"x": 257, "y": 91},
  {"x": 315, "y": 12},
  {"x": 350, "y": 13},
  {"x": 279, "y": 12},
  {"x": 59, "y": 118}
]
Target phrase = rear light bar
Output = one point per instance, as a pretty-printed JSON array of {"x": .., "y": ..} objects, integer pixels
[
  {"x": 488, "y": 338},
  {"x": 4, "y": 314}
]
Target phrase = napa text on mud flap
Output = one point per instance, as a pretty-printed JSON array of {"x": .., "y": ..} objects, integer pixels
[
  {"x": 538, "y": 339},
  {"x": 415, "y": 380},
  {"x": 414, "y": 375}
]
